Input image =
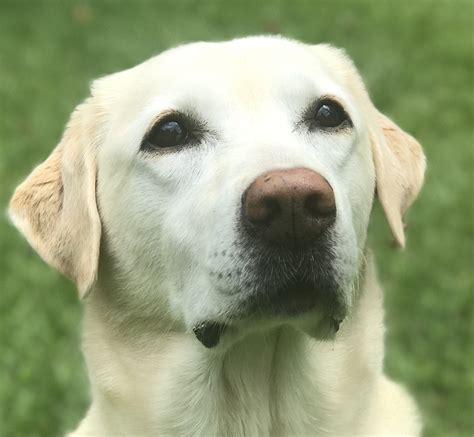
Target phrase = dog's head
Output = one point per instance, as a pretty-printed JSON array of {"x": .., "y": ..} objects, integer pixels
[{"x": 223, "y": 185}]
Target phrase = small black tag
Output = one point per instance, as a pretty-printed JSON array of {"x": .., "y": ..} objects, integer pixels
[{"x": 209, "y": 333}]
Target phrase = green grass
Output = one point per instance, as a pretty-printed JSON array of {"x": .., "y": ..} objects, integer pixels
[{"x": 417, "y": 60}]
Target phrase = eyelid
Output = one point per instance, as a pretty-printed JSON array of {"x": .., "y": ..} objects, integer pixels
[
  {"x": 308, "y": 114},
  {"x": 194, "y": 127},
  {"x": 328, "y": 99},
  {"x": 171, "y": 113},
  {"x": 190, "y": 120}
]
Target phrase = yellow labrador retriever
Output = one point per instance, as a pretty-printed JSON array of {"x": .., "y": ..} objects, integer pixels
[{"x": 212, "y": 205}]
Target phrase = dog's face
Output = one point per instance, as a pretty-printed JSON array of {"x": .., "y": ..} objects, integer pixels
[{"x": 232, "y": 184}]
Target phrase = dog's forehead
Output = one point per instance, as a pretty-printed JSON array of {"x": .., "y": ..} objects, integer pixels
[
  {"x": 250, "y": 70},
  {"x": 249, "y": 59}
]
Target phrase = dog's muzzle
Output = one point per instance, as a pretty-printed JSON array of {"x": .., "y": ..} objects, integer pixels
[{"x": 285, "y": 220}]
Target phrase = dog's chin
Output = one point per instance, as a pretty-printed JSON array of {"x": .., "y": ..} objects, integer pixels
[
  {"x": 301, "y": 304},
  {"x": 289, "y": 300}
]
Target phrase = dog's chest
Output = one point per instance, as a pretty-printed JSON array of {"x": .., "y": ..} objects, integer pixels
[{"x": 259, "y": 389}]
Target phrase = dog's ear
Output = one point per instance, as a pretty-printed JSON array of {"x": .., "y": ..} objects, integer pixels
[
  {"x": 399, "y": 168},
  {"x": 55, "y": 207},
  {"x": 398, "y": 158}
]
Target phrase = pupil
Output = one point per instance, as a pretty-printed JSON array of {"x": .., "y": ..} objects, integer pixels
[
  {"x": 170, "y": 134},
  {"x": 329, "y": 115},
  {"x": 172, "y": 130},
  {"x": 325, "y": 111}
]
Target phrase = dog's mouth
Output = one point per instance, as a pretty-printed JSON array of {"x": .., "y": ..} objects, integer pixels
[
  {"x": 273, "y": 286},
  {"x": 289, "y": 301}
]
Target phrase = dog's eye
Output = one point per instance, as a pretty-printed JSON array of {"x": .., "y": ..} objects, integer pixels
[
  {"x": 330, "y": 114},
  {"x": 168, "y": 133}
]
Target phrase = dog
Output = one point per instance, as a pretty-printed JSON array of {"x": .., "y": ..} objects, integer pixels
[{"x": 212, "y": 205}]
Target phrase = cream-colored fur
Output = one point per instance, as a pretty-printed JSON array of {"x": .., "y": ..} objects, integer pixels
[{"x": 163, "y": 223}]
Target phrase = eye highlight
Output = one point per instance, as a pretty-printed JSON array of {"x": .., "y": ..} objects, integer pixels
[{"x": 328, "y": 114}]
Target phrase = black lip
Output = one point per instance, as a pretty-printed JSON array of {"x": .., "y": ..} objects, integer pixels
[
  {"x": 291, "y": 299},
  {"x": 297, "y": 297}
]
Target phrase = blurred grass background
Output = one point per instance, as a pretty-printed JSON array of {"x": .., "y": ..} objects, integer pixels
[{"x": 417, "y": 60}]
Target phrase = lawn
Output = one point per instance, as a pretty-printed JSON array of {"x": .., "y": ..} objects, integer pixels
[{"x": 417, "y": 60}]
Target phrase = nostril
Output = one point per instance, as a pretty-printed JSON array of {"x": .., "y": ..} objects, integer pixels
[
  {"x": 272, "y": 207},
  {"x": 319, "y": 205},
  {"x": 263, "y": 210}
]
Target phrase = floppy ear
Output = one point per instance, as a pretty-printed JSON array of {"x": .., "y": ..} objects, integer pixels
[
  {"x": 398, "y": 158},
  {"x": 55, "y": 207},
  {"x": 399, "y": 168}
]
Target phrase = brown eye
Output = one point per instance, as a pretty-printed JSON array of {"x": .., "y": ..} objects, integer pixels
[
  {"x": 330, "y": 114},
  {"x": 168, "y": 133}
]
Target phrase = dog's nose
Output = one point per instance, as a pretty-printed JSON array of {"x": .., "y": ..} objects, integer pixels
[{"x": 289, "y": 207}]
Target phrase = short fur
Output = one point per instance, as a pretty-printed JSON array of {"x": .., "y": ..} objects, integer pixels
[{"x": 169, "y": 248}]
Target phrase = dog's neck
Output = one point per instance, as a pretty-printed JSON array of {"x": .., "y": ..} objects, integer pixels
[{"x": 278, "y": 381}]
